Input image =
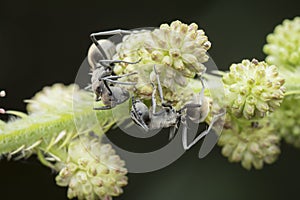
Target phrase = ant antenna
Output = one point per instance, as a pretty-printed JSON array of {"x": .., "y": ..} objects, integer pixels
[{"x": 94, "y": 40}]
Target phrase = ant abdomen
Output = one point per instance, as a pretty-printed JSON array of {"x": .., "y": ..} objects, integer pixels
[{"x": 95, "y": 55}]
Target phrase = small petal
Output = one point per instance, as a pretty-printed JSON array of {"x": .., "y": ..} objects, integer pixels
[{"x": 178, "y": 64}]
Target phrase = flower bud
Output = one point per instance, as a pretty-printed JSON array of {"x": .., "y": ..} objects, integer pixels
[
  {"x": 287, "y": 120},
  {"x": 282, "y": 45},
  {"x": 92, "y": 170},
  {"x": 252, "y": 145},
  {"x": 252, "y": 89}
]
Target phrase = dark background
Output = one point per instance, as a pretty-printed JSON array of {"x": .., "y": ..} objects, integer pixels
[{"x": 44, "y": 42}]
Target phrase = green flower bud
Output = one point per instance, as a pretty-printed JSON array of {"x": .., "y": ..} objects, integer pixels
[
  {"x": 287, "y": 120},
  {"x": 251, "y": 143},
  {"x": 92, "y": 170},
  {"x": 252, "y": 89},
  {"x": 282, "y": 45}
]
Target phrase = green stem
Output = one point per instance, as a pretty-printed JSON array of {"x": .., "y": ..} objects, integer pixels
[
  {"x": 43, "y": 160},
  {"x": 28, "y": 130},
  {"x": 292, "y": 92}
]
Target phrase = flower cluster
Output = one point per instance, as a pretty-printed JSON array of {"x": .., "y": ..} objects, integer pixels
[
  {"x": 178, "y": 45},
  {"x": 92, "y": 170},
  {"x": 57, "y": 98},
  {"x": 287, "y": 120},
  {"x": 252, "y": 144},
  {"x": 283, "y": 48},
  {"x": 177, "y": 50},
  {"x": 252, "y": 89}
]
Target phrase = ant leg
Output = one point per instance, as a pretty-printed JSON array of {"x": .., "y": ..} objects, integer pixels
[
  {"x": 195, "y": 105},
  {"x": 172, "y": 132},
  {"x": 119, "y": 61},
  {"x": 88, "y": 87},
  {"x": 159, "y": 85},
  {"x": 109, "y": 79},
  {"x": 199, "y": 137},
  {"x": 161, "y": 94},
  {"x": 107, "y": 86},
  {"x": 154, "y": 104},
  {"x": 184, "y": 134},
  {"x": 112, "y": 32},
  {"x": 189, "y": 105},
  {"x": 119, "y": 82},
  {"x": 201, "y": 94},
  {"x": 103, "y": 108},
  {"x": 154, "y": 92},
  {"x": 120, "y": 76},
  {"x": 153, "y": 100}
]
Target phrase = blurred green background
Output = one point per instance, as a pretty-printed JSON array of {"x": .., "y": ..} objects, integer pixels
[{"x": 44, "y": 42}]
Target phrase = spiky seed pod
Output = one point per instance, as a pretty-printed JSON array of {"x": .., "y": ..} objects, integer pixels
[
  {"x": 287, "y": 120},
  {"x": 283, "y": 45},
  {"x": 251, "y": 143},
  {"x": 178, "y": 50},
  {"x": 252, "y": 89},
  {"x": 92, "y": 171}
]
